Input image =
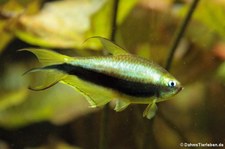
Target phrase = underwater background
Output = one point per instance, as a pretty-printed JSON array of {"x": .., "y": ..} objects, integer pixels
[{"x": 60, "y": 117}]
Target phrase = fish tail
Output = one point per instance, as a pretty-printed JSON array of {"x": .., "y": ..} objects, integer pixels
[
  {"x": 49, "y": 74},
  {"x": 48, "y": 57},
  {"x": 48, "y": 77},
  {"x": 41, "y": 88},
  {"x": 32, "y": 70}
]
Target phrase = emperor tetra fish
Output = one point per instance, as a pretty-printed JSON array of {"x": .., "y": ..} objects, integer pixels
[{"x": 120, "y": 76}]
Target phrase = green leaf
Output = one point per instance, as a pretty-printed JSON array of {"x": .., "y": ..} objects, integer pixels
[
  {"x": 59, "y": 24},
  {"x": 207, "y": 25},
  {"x": 9, "y": 13},
  {"x": 221, "y": 72},
  {"x": 58, "y": 104},
  {"x": 125, "y": 6},
  {"x": 12, "y": 98},
  {"x": 66, "y": 24},
  {"x": 102, "y": 20},
  {"x": 5, "y": 37},
  {"x": 212, "y": 15},
  {"x": 13, "y": 92}
]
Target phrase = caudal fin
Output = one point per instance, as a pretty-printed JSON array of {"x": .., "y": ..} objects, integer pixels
[
  {"x": 48, "y": 57},
  {"x": 46, "y": 78}
]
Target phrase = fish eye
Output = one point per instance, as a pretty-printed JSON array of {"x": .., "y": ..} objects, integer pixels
[{"x": 172, "y": 84}]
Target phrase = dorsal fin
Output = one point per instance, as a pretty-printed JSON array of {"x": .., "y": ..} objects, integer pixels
[
  {"x": 111, "y": 47},
  {"x": 48, "y": 57}
]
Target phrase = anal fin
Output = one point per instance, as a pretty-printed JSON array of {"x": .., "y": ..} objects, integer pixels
[{"x": 96, "y": 95}]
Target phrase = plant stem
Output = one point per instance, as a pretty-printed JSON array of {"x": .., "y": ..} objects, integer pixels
[
  {"x": 172, "y": 126},
  {"x": 105, "y": 113},
  {"x": 104, "y": 127},
  {"x": 176, "y": 42},
  {"x": 149, "y": 140},
  {"x": 180, "y": 33},
  {"x": 148, "y": 137},
  {"x": 114, "y": 20}
]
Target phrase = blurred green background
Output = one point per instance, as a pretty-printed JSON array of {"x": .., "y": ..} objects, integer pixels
[{"x": 60, "y": 118}]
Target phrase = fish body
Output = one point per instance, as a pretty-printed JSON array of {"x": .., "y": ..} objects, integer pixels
[{"x": 121, "y": 76}]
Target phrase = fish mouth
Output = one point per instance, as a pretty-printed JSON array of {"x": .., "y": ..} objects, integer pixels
[{"x": 180, "y": 88}]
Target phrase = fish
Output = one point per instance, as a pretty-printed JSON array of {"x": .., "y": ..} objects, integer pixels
[{"x": 119, "y": 76}]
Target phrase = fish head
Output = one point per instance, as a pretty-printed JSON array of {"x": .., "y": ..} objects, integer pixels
[{"x": 169, "y": 86}]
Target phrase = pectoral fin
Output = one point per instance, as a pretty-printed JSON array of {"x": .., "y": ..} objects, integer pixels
[
  {"x": 150, "y": 110},
  {"x": 110, "y": 46},
  {"x": 121, "y": 105},
  {"x": 96, "y": 96}
]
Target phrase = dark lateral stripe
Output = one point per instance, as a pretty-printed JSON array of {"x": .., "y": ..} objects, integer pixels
[{"x": 121, "y": 85}]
